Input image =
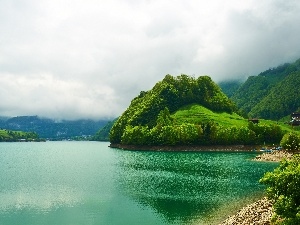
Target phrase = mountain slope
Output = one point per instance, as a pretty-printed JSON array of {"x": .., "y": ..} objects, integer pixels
[
  {"x": 230, "y": 87},
  {"x": 103, "y": 133},
  {"x": 256, "y": 88},
  {"x": 283, "y": 99}
]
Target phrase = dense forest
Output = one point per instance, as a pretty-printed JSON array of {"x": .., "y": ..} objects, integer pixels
[
  {"x": 184, "y": 110},
  {"x": 272, "y": 94},
  {"x": 282, "y": 100}
]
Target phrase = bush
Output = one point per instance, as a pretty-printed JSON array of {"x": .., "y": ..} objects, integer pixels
[
  {"x": 290, "y": 142},
  {"x": 283, "y": 187}
]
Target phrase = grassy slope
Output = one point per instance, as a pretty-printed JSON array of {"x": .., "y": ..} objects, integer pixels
[{"x": 196, "y": 114}]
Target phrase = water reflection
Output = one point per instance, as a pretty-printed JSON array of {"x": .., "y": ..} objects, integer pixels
[
  {"x": 72, "y": 183},
  {"x": 44, "y": 199},
  {"x": 185, "y": 186}
]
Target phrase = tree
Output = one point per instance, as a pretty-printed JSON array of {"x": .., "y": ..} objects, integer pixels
[
  {"x": 291, "y": 141},
  {"x": 283, "y": 187}
]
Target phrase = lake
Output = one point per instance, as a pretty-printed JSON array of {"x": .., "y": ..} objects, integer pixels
[{"x": 69, "y": 183}]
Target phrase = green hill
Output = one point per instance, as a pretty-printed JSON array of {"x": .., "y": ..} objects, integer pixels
[
  {"x": 171, "y": 93},
  {"x": 187, "y": 111},
  {"x": 12, "y": 136},
  {"x": 263, "y": 95}
]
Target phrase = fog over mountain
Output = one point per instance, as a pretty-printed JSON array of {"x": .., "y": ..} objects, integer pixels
[{"x": 87, "y": 59}]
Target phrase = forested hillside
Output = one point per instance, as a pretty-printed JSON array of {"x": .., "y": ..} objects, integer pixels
[
  {"x": 271, "y": 94},
  {"x": 187, "y": 111},
  {"x": 230, "y": 87},
  {"x": 283, "y": 99},
  {"x": 103, "y": 133}
]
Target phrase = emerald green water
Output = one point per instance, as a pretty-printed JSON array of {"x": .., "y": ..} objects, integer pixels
[{"x": 71, "y": 183}]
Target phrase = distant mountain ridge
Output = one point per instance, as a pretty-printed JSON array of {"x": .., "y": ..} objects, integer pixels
[{"x": 49, "y": 128}]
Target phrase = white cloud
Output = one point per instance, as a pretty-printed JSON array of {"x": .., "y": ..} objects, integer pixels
[{"x": 88, "y": 58}]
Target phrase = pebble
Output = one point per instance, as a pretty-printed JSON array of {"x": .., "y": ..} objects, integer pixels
[
  {"x": 257, "y": 213},
  {"x": 275, "y": 156}
]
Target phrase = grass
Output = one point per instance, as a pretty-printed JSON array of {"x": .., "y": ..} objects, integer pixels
[{"x": 197, "y": 114}]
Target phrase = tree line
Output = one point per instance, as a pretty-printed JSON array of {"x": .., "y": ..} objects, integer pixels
[{"x": 166, "y": 132}]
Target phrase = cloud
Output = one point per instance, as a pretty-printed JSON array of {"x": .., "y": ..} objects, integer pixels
[
  {"x": 88, "y": 59},
  {"x": 55, "y": 98}
]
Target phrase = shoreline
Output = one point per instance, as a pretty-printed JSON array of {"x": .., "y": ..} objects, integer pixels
[{"x": 192, "y": 148}]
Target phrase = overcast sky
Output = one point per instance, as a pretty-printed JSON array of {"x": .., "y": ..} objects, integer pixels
[{"x": 70, "y": 59}]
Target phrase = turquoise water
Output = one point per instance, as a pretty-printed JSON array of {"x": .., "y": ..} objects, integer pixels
[{"x": 89, "y": 183}]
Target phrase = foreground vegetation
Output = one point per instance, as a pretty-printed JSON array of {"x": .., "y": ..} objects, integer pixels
[
  {"x": 283, "y": 184},
  {"x": 283, "y": 187}
]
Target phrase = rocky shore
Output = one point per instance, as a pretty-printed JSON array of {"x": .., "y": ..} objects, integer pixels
[
  {"x": 257, "y": 213},
  {"x": 275, "y": 156}
]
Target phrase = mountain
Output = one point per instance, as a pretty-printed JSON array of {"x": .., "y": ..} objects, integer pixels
[
  {"x": 252, "y": 96},
  {"x": 48, "y": 128}
]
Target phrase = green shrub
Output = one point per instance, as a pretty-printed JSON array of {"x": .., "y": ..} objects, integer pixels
[
  {"x": 291, "y": 142},
  {"x": 284, "y": 188}
]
